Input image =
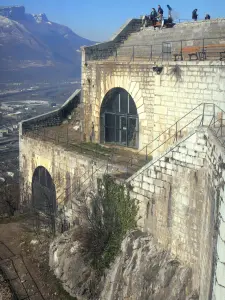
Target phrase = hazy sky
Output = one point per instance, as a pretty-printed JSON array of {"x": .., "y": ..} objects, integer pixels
[{"x": 99, "y": 19}]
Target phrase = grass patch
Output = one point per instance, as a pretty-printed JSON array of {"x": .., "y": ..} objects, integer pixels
[{"x": 96, "y": 147}]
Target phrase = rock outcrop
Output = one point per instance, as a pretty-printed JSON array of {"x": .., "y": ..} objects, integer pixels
[{"x": 142, "y": 271}]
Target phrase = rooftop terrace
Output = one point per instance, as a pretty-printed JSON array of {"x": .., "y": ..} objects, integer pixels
[{"x": 202, "y": 40}]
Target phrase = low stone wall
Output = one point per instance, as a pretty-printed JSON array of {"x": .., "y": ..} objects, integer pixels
[
  {"x": 179, "y": 196},
  {"x": 107, "y": 48},
  {"x": 53, "y": 118}
]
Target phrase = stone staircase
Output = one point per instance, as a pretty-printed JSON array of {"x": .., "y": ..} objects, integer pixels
[{"x": 122, "y": 164}]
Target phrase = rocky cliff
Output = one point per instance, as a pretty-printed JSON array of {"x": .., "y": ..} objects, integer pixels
[
  {"x": 32, "y": 47},
  {"x": 142, "y": 271}
]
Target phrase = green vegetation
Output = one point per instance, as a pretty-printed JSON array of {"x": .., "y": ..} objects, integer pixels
[{"x": 111, "y": 215}]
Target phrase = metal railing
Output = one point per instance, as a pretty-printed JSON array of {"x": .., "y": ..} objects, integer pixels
[
  {"x": 206, "y": 115},
  {"x": 67, "y": 137},
  {"x": 209, "y": 48}
]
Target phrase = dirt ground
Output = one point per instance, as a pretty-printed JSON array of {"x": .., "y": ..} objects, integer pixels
[
  {"x": 21, "y": 238},
  {"x": 5, "y": 292}
]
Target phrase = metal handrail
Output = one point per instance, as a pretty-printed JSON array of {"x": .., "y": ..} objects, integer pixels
[
  {"x": 201, "y": 116},
  {"x": 201, "y": 123},
  {"x": 211, "y": 123},
  {"x": 99, "y": 54},
  {"x": 161, "y": 134}
]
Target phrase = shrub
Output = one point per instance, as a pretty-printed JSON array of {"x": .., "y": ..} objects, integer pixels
[{"x": 109, "y": 216}]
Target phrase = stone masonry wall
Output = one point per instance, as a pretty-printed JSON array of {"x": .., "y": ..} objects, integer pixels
[
  {"x": 216, "y": 173},
  {"x": 161, "y": 100},
  {"x": 196, "y": 83},
  {"x": 55, "y": 117},
  {"x": 71, "y": 172},
  {"x": 179, "y": 196}
]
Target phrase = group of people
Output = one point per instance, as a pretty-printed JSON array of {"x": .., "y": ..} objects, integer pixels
[
  {"x": 154, "y": 16},
  {"x": 195, "y": 15},
  {"x": 158, "y": 16}
]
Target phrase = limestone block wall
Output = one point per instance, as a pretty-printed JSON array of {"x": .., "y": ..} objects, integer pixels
[
  {"x": 176, "y": 95},
  {"x": 138, "y": 80},
  {"x": 161, "y": 100},
  {"x": 71, "y": 172},
  {"x": 216, "y": 160},
  {"x": 180, "y": 198}
]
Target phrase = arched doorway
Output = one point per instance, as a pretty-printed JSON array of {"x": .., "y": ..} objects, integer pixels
[
  {"x": 119, "y": 119},
  {"x": 44, "y": 195}
]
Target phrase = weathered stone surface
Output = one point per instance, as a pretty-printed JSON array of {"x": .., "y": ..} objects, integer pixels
[
  {"x": 69, "y": 266},
  {"x": 141, "y": 271},
  {"x": 165, "y": 100}
]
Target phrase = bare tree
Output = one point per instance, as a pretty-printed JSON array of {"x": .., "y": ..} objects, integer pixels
[{"x": 9, "y": 198}]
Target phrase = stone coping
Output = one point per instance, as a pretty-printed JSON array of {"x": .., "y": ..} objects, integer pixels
[
  {"x": 56, "y": 112},
  {"x": 160, "y": 62}
]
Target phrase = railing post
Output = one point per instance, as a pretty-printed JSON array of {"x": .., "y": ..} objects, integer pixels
[
  {"x": 67, "y": 135},
  {"x": 181, "y": 51},
  {"x": 133, "y": 53},
  {"x": 146, "y": 153},
  {"x": 116, "y": 55},
  {"x": 203, "y": 48},
  {"x": 221, "y": 124},
  {"x": 203, "y": 114},
  {"x": 176, "y": 132}
]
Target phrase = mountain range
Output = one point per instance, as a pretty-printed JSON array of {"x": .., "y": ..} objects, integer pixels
[{"x": 34, "y": 48}]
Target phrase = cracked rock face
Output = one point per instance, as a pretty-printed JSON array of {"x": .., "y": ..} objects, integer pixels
[
  {"x": 68, "y": 264},
  {"x": 142, "y": 271}
]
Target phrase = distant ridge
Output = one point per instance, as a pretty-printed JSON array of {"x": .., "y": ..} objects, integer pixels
[{"x": 34, "y": 48}]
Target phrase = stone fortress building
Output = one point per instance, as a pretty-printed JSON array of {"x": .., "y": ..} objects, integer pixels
[{"x": 150, "y": 112}]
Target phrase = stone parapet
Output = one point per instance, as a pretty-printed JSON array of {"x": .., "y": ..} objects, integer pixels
[{"x": 53, "y": 118}]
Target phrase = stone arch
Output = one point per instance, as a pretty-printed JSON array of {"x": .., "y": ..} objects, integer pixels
[
  {"x": 132, "y": 87},
  {"x": 119, "y": 119},
  {"x": 43, "y": 191}
]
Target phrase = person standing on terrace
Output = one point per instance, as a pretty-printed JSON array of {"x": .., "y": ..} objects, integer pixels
[
  {"x": 160, "y": 13},
  {"x": 194, "y": 15},
  {"x": 153, "y": 16}
]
